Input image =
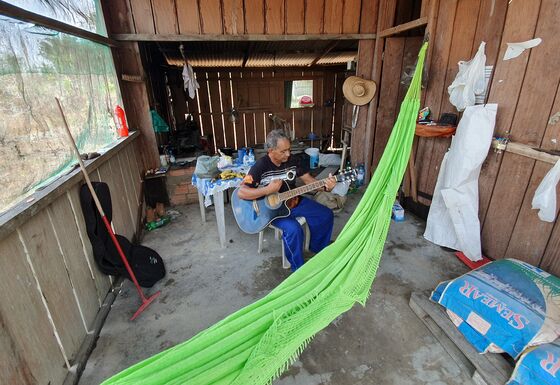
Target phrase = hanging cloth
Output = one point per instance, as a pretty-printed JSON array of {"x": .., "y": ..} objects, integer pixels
[
  {"x": 189, "y": 82},
  {"x": 257, "y": 343},
  {"x": 158, "y": 123},
  {"x": 453, "y": 218}
]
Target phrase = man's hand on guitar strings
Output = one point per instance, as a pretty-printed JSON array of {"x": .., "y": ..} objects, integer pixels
[
  {"x": 330, "y": 183},
  {"x": 274, "y": 186}
]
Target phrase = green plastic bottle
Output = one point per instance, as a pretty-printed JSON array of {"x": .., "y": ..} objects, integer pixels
[{"x": 159, "y": 223}]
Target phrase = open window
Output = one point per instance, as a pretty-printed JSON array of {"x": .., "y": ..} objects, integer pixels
[{"x": 298, "y": 93}]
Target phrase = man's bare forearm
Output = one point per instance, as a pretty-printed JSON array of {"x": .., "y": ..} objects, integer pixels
[{"x": 250, "y": 193}]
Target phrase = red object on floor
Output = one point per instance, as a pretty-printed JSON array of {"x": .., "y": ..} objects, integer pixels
[{"x": 473, "y": 265}]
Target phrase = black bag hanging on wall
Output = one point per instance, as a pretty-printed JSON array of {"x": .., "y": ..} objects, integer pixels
[{"x": 145, "y": 262}]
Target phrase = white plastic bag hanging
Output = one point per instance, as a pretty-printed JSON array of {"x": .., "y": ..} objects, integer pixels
[
  {"x": 453, "y": 218},
  {"x": 189, "y": 81},
  {"x": 545, "y": 195},
  {"x": 470, "y": 81}
]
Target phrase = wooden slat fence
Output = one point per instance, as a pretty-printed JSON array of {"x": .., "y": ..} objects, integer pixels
[
  {"x": 50, "y": 287},
  {"x": 256, "y": 94}
]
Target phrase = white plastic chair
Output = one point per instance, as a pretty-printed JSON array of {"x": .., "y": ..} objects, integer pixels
[{"x": 278, "y": 236}]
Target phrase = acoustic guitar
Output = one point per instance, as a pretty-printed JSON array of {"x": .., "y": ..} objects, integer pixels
[{"x": 254, "y": 215}]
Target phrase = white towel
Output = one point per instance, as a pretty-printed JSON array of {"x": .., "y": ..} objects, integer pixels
[{"x": 189, "y": 80}]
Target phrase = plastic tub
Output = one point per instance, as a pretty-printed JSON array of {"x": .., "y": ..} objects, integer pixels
[{"x": 313, "y": 157}]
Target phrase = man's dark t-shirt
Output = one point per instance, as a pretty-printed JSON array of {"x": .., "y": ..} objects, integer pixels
[{"x": 263, "y": 170}]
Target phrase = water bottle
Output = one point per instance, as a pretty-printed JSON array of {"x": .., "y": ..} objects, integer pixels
[
  {"x": 170, "y": 156},
  {"x": 251, "y": 157},
  {"x": 361, "y": 175},
  {"x": 157, "y": 223},
  {"x": 246, "y": 160},
  {"x": 120, "y": 119}
]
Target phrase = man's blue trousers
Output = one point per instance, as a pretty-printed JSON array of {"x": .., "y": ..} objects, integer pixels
[{"x": 320, "y": 221}]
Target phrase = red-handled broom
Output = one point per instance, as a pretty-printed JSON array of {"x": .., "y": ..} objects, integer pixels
[{"x": 145, "y": 301}]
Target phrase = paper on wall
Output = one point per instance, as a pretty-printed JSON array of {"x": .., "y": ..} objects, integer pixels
[
  {"x": 515, "y": 49},
  {"x": 453, "y": 218},
  {"x": 545, "y": 195}
]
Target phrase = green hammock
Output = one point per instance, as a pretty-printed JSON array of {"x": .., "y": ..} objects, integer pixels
[{"x": 257, "y": 343}]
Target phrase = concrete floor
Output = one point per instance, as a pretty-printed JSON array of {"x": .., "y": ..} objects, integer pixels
[{"x": 383, "y": 343}]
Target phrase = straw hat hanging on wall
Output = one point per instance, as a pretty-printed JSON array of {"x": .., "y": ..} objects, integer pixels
[{"x": 358, "y": 91}]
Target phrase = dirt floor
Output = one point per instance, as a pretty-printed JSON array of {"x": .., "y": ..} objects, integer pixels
[{"x": 383, "y": 343}]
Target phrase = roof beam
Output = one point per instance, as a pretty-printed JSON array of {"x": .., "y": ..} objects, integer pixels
[
  {"x": 255, "y": 37},
  {"x": 404, "y": 27},
  {"x": 328, "y": 49},
  {"x": 248, "y": 53}
]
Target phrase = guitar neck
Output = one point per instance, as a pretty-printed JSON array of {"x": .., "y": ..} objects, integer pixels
[{"x": 302, "y": 190}]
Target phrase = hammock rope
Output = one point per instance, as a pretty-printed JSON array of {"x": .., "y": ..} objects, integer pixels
[{"x": 256, "y": 344}]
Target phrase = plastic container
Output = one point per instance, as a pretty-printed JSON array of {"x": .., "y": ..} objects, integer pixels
[
  {"x": 398, "y": 212},
  {"x": 251, "y": 157},
  {"x": 361, "y": 173},
  {"x": 157, "y": 223},
  {"x": 241, "y": 155},
  {"x": 313, "y": 157},
  {"x": 120, "y": 119}
]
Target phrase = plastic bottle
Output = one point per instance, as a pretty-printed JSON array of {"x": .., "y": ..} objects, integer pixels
[
  {"x": 398, "y": 212},
  {"x": 171, "y": 156},
  {"x": 361, "y": 175},
  {"x": 246, "y": 158},
  {"x": 155, "y": 224},
  {"x": 251, "y": 157},
  {"x": 122, "y": 128}
]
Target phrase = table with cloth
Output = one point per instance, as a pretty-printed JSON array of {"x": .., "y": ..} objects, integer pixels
[{"x": 213, "y": 189}]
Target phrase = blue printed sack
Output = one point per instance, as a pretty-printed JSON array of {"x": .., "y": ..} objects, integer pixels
[
  {"x": 504, "y": 306},
  {"x": 538, "y": 366}
]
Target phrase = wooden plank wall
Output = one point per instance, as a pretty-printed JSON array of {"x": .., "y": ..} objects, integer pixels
[
  {"x": 59, "y": 288},
  {"x": 527, "y": 92},
  {"x": 399, "y": 57},
  {"x": 256, "y": 94},
  {"x": 136, "y": 100},
  {"x": 238, "y": 17}
]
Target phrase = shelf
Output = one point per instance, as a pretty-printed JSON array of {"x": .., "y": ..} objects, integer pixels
[{"x": 426, "y": 130}]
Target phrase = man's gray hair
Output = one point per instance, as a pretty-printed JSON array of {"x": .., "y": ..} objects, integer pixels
[{"x": 273, "y": 137}]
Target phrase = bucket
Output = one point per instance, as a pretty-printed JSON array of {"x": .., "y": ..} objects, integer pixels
[{"x": 313, "y": 157}]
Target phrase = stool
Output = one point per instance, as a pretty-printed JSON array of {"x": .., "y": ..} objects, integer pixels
[{"x": 278, "y": 235}]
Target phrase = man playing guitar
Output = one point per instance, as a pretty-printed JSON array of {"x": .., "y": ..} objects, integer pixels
[{"x": 266, "y": 171}]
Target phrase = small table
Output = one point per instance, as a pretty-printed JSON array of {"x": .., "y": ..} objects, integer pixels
[{"x": 208, "y": 188}]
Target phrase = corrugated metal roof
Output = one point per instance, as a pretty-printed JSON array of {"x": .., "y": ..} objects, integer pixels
[
  {"x": 211, "y": 59},
  {"x": 280, "y": 60},
  {"x": 338, "y": 57},
  {"x": 299, "y": 53}
]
